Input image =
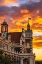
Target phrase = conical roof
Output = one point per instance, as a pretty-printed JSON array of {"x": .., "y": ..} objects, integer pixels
[{"x": 28, "y": 25}]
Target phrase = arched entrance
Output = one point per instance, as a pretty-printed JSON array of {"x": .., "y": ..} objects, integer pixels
[{"x": 26, "y": 61}]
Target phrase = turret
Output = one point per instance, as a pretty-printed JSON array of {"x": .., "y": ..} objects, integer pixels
[{"x": 4, "y": 29}]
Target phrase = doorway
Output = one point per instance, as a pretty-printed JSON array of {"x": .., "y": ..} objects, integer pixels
[{"x": 25, "y": 61}]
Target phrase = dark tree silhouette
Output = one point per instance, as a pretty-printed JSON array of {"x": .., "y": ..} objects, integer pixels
[
  {"x": 38, "y": 62},
  {"x": 5, "y": 60}
]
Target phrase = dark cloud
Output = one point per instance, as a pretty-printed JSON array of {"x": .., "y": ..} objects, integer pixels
[
  {"x": 40, "y": 0},
  {"x": 15, "y": 11},
  {"x": 1, "y": 1},
  {"x": 33, "y": 7},
  {"x": 4, "y": 10}
]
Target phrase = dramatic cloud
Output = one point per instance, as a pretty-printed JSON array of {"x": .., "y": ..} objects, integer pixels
[
  {"x": 19, "y": 15},
  {"x": 37, "y": 26},
  {"x": 37, "y": 42}
]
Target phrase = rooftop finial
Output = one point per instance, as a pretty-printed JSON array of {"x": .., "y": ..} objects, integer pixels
[
  {"x": 4, "y": 20},
  {"x": 28, "y": 20},
  {"x": 28, "y": 25}
]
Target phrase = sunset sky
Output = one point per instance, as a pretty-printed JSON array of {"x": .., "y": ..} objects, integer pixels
[{"x": 16, "y": 13}]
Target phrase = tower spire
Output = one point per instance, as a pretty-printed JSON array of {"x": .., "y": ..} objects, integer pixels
[
  {"x": 4, "y": 20},
  {"x": 28, "y": 25}
]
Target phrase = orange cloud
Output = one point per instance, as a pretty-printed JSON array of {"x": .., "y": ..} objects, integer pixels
[
  {"x": 7, "y": 1},
  {"x": 37, "y": 41},
  {"x": 37, "y": 24},
  {"x": 24, "y": 11}
]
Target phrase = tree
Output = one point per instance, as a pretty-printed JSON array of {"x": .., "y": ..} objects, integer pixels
[
  {"x": 1, "y": 56},
  {"x": 5, "y": 60},
  {"x": 8, "y": 60},
  {"x": 38, "y": 62}
]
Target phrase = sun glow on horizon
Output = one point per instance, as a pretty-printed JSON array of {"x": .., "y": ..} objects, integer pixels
[{"x": 38, "y": 53}]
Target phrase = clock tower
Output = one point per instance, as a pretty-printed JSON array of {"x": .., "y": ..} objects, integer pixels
[
  {"x": 26, "y": 38},
  {"x": 4, "y": 29},
  {"x": 28, "y": 57}
]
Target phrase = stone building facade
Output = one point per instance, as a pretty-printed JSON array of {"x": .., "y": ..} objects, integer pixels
[{"x": 21, "y": 52}]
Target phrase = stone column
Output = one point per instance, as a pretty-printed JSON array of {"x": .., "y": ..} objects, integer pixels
[
  {"x": 21, "y": 61},
  {"x": 31, "y": 60},
  {"x": 34, "y": 61}
]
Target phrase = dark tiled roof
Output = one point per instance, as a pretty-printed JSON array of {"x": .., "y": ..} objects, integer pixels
[{"x": 15, "y": 36}]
